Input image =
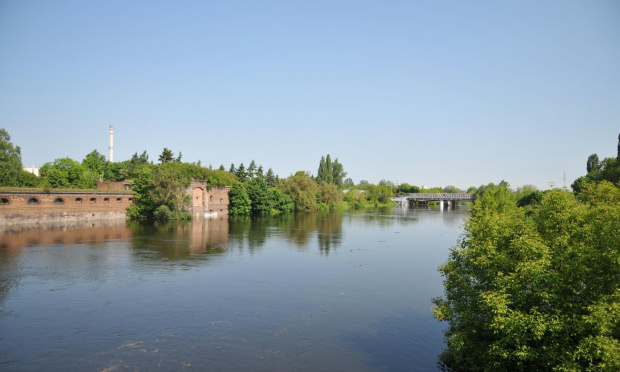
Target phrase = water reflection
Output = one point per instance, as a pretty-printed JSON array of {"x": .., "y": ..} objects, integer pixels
[
  {"x": 180, "y": 241},
  {"x": 339, "y": 291}
]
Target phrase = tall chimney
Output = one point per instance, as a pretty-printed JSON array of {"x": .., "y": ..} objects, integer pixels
[{"x": 111, "y": 157}]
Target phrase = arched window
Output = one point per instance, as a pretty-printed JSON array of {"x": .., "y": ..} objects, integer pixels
[
  {"x": 119, "y": 200},
  {"x": 59, "y": 201},
  {"x": 4, "y": 201},
  {"x": 211, "y": 198},
  {"x": 93, "y": 200},
  {"x": 78, "y": 200},
  {"x": 221, "y": 200},
  {"x": 106, "y": 200},
  {"x": 33, "y": 201}
]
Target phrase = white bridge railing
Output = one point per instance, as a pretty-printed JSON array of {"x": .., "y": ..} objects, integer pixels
[
  {"x": 434, "y": 197},
  {"x": 439, "y": 196}
]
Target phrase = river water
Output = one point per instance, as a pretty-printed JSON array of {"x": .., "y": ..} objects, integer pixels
[{"x": 347, "y": 291}]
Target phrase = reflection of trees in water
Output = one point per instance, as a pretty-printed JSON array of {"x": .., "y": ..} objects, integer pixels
[
  {"x": 298, "y": 229},
  {"x": 329, "y": 231},
  {"x": 8, "y": 275},
  {"x": 247, "y": 230},
  {"x": 174, "y": 241}
]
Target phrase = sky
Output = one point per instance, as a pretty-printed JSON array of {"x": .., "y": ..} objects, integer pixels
[{"x": 430, "y": 93}]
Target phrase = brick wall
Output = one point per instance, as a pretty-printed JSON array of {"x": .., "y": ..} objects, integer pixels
[
  {"x": 218, "y": 199},
  {"x": 37, "y": 207}
]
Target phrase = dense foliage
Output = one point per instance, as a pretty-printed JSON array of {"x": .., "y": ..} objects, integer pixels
[
  {"x": 10, "y": 161},
  {"x": 606, "y": 170},
  {"x": 535, "y": 291}
]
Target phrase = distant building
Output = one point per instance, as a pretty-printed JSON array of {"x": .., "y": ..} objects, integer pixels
[
  {"x": 424, "y": 187},
  {"x": 32, "y": 170}
]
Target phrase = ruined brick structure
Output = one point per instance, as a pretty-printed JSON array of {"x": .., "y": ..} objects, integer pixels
[
  {"x": 27, "y": 207},
  {"x": 208, "y": 199},
  {"x": 121, "y": 185},
  {"x": 109, "y": 201}
]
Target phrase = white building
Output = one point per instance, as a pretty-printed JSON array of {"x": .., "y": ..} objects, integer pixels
[{"x": 32, "y": 170}]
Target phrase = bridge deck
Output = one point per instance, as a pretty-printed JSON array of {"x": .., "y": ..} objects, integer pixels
[{"x": 435, "y": 197}]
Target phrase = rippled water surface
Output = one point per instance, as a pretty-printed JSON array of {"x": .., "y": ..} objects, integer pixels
[{"x": 343, "y": 291}]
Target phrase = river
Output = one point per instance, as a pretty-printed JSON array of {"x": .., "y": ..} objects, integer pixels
[{"x": 345, "y": 291}]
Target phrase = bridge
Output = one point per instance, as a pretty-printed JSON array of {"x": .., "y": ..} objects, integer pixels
[{"x": 422, "y": 199}]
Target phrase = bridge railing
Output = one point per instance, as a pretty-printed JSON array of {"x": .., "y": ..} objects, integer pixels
[{"x": 439, "y": 196}]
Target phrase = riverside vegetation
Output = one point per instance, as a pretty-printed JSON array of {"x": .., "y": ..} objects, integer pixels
[
  {"x": 160, "y": 187},
  {"x": 534, "y": 282}
]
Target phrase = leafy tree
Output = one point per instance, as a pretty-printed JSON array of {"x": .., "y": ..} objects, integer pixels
[
  {"x": 260, "y": 171},
  {"x": 451, "y": 189},
  {"x": 271, "y": 178},
  {"x": 338, "y": 173},
  {"x": 166, "y": 156},
  {"x": 330, "y": 172},
  {"x": 95, "y": 162},
  {"x": 160, "y": 193},
  {"x": 606, "y": 170},
  {"x": 10, "y": 161},
  {"x": 222, "y": 167},
  {"x": 406, "y": 188},
  {"x": 29, "y": 179},
  {"x": 618, "y": 156},
  {"x": 252, "y": 169},
  {"x": 331, "y": 195},
  {"x": 281, "y": 202},
  {"x": 303, "y": 190},
  {"x": 260, "y": 196},
  {"x": 348, "y": 183},
  {"x": 535, "y": 291},
  {"x": 241, "y": 173},
  {"x": 593, "y": 163},
  {"x": 67, "y": 173},
  {"x": 321, "y": 174},
  {"x": 240, "y": 203},
  {"x": 232, "y": 168}
]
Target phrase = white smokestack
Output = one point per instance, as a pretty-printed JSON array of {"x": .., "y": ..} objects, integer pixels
[{"x": 111, "y": 157}]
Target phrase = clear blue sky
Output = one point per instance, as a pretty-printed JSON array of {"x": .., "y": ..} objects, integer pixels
[{"x": 426, "y": 92}]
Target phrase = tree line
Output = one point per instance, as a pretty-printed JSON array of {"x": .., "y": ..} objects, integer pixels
[
  {"x": 160, "y": 185},
  {"x": 534, "y": 283}
]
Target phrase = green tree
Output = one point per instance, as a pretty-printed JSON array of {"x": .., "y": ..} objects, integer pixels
[
  {"x": 331, "y": 195},
  {"x": 222, "y": 167},
  {"x": 260, "y": 196},
  {"x": 303, "y": 190},
  {"x": 232, "y": 168},
  {"x": 252, "y": 169},
  {"x": 240, "y": 203},
  {"x": 95, "y": 162},
  {"x": 160, "y": 193},
  {"x": 535, "y": 291},
  {"x": 29, "y": 179},
  {"x": 10, "y": 161},
  {"x": 67, "y": 173},
  {"x": 241, "y": 173},
  {"x": 451, "y": 189},
  {"x": 348, "y": 183},
  {"x": 271, "y": 178},
  {"x": 593, "y": 163},
  {"x": 166, "y": 156},
  {"x": 281, "y": 202},
  {"x": 338, "y": 173},
  {"x": 321, "y": 174}
]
